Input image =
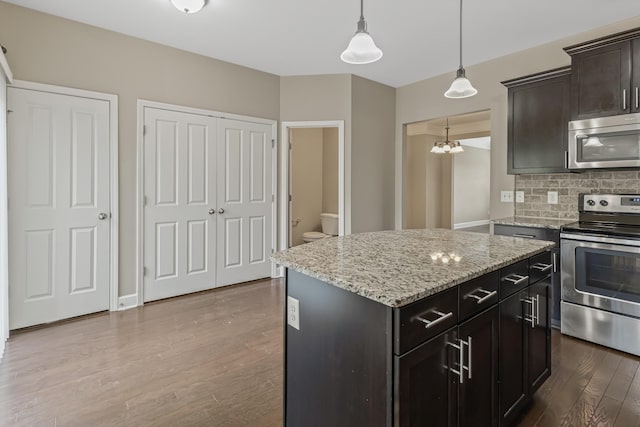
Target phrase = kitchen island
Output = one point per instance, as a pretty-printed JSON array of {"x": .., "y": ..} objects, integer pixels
[{"x": 415, "y": 327}]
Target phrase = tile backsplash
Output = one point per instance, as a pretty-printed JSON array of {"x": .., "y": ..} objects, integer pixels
[{"x": 568, "y": 186}]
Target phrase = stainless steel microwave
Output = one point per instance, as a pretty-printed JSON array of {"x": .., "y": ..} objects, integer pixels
[{"x": 606, "y": 142}]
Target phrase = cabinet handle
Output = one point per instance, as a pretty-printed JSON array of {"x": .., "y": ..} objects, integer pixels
[
  {"x": 637, "y": 98},
  {"x": 555, "y": 262},
  {"x": 516, "y": 279},
  {"x": 525, "y": 236},
  {"x": 460, "y": 347},
  {"x": 624, "y": 99},
  {"x": 481, "y": 299},
  {"x": 542, "y": 267},
  {"x": 538, "y": 309},
  {"x": 566, "y": 159},
  {"x": 531, "y": 319},
  {"x": 430, "y": 323}
]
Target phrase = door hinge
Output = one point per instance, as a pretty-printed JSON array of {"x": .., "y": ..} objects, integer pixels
[
  {"x": 273, "y": 143},
  {"x": 144, "y": 130},
  {"x": 290, "y": 146},
  {"x": 290, "y": 198},
  {"x": 144, "y": 271},
  {"x": 144, "y": 201},
  {"x": 273, "y": 198}
]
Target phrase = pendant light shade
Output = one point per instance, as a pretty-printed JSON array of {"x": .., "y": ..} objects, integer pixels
[
  {"x": 461, "y": 86},
  {"x": 188, "y": 6},
  {"x": 361, "y": 49}
]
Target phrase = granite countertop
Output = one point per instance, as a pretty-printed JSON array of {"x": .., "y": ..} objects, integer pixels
[
  {"x": 524, "y": 221},
  {"x": 396, "y": 268}
]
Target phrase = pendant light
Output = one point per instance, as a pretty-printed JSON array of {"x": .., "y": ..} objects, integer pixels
[
  {"x": 361, "y": 49},
  {"x": 188, "y": 6},
  {"x": 446, "y": 146},
  {"x": 461, "y": 86}
]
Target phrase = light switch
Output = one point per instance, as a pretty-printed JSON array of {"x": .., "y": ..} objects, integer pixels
[
  {"x": 519, "y": 196},
  {"x": 506, "y": 196},
  {"x": 552, "y": 197}
]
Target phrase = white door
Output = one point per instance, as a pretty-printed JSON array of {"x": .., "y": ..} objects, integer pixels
[
  {"x": 179, "y": 213},
  {"x": 244, "y": 201},
  {"x": 59, "y": 213}
]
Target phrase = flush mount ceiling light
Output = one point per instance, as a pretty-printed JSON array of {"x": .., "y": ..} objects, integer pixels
[
  {"x": 188, "y": 6},
  {"x": 361, "y": 49},
  {"x": 446, "y": 146},
  {"x": 461, "y": 86}
]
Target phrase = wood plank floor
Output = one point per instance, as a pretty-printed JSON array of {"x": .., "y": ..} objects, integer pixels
[{"x": 215, "y": 359}]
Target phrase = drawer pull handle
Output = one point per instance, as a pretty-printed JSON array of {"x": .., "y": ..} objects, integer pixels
[
  {"x": 462, "y": 368},
  {"x": 525, "y": 236},
  {"x": 533, "y": 318},
  {"x": 542, "y": 267},
  {"x": 480, "y": 299},
  {"x": 516, "y": 279},
  {"x": 430, "y": 323}
]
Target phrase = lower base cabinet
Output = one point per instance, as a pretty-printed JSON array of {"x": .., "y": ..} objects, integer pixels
[
  {"x": 451, "y": 380},
  {"x": 525, "y": 347}
]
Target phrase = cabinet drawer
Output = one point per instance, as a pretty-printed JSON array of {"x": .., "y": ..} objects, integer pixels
[
  {"x": 478, "y": 294},
  {"x": 424, "y": 319},
  {"x": 513, "y": 278},
  {"x": 552, "y": 235},
  {"x": 540, "y": 266}
]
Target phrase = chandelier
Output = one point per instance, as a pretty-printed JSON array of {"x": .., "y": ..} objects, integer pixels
[{"x": 446, "y": 146}]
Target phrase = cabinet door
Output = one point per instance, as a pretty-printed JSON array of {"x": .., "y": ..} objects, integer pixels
[
  {"x": 539, "y": 365},
  {"x": 425, "y": 387},
  {"x": 538, "y": 117},
  {"x": 513, "y": 356},
  {"x": 635, "y": 78},
  {"x": 478, "y": 394},
  {"x": 601, "y": 81}
]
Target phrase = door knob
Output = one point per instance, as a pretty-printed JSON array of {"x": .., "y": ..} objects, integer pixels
[
  {"x": 102, "y": 216},
  {"x": 220, "y": 211},
  {"x": 212, "y": 211}
]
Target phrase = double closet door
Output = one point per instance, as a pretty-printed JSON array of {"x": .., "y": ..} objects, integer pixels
[{"x": 207, "y": 202}]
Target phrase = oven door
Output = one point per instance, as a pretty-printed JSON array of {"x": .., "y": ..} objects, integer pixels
[
  {"x": 609, "y": 142},
  {"x": 601, "y": 272}
]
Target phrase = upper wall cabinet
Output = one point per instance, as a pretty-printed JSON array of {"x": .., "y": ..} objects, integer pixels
[
  {"x": 537, "y": 122},
  {"x": 606, "y": 76}
]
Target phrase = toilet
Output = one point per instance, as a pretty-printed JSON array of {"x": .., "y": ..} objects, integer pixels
[{"x": 329, "y": 228}]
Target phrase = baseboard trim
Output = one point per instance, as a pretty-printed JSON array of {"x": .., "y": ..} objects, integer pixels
[
  {"x": 128, "y": 301},
  {"x": 471, "y": 224}
]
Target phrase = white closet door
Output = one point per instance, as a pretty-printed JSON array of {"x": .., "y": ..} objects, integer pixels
[
  {"x": 244, "y": 201},
  {"x": 179, "y": 213},
  {"x": 59, "y": 206}
]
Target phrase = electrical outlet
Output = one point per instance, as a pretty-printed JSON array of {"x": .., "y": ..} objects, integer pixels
[
  {"x": 506, "y": 196},
  {"x": 519, "y": 196},
  {"x": 552, "y": 197},
  {"x": 293, "y": 312}
]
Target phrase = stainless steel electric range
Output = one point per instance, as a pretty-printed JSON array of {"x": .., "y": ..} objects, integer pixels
[{"x": 601, "y": 272}]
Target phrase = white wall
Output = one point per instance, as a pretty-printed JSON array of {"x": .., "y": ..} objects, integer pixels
[
  {"x": 306, "y": 181},
  {"x": 471, "y": 186},
  {"x": 330, "y": 146}
]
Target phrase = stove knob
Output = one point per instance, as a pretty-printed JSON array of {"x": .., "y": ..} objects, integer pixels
[
  {"x": 591, "y": 202},
  {"x": 604, "y": 203}
]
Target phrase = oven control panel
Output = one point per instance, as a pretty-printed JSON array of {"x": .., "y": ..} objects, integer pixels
[{"x": 616, "y": 203}]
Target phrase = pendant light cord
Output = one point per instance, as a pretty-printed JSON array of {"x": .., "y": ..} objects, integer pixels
[
  {"x": 460, "y": 33},
  {"x": 361, "y": 9}
]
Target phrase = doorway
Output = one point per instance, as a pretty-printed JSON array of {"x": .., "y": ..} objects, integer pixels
[
  {"x": 448, "y": 190},
  {"x": 313, "y": 135},
  {"x": 62, "y": 176},
  {"x": 208, "y": 200}
]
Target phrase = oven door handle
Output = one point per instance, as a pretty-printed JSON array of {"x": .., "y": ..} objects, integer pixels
[{"x": 596, "y": 238}]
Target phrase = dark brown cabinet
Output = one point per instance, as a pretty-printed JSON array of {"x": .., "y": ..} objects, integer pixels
[
  {"x": 525, "y": 345},
  {"x": 538, "y": 113},
  {"x": 606, "y": 76},
  {"x": 452, "y": 379}
]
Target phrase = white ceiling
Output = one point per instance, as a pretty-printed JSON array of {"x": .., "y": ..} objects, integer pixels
[{"x": 419, "y": 38}]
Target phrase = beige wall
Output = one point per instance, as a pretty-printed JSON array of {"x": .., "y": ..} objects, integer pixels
[
  {"x": 47, "y": 49},
  {"x": 306, "y": 181},
  {"x": 372, "y": 173},
  {"x": 416, "y": 180},
  {"x": 330, "y": 170},
  {"x": 424, "y": 100},
  {"x": 471, "y": 186}
]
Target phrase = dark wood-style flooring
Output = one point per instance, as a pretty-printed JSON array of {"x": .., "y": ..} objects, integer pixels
[{"x": 215, "y": 359}]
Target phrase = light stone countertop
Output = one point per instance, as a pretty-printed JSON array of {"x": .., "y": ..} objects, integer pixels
[
  {"x": 396, "y": 268},
  {"x": 524, "y": 221}
]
